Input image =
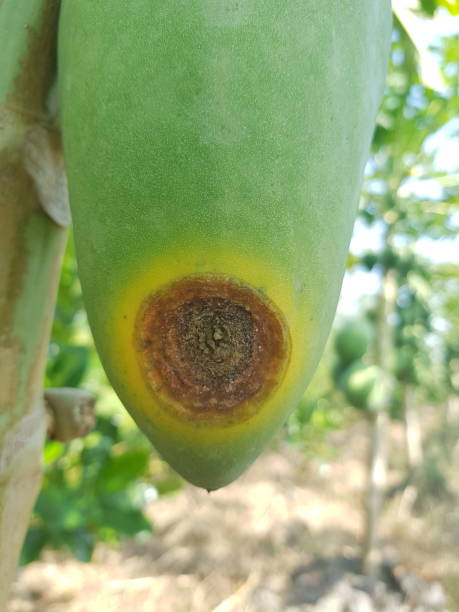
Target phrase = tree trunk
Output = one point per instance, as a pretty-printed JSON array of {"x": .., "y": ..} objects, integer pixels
[
  {"x": 413, "y": 431},
  {"x": 378, "y": 451},
  {"x": 33, "y": 214}
]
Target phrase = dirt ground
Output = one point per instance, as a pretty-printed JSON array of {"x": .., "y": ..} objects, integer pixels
[{"x": 284, "y": 537}]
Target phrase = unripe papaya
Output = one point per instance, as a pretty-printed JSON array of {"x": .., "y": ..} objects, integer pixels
[
  {"x": 215, "y": 150},
  {"x": 352, "y": 340},
  {"x": 364, "y": 386}
]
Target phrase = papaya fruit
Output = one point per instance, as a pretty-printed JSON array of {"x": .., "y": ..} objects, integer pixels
[
  {"x": 365, "y": 386},
  {"x": 215, "y": 151},
  {"x": 352, "y": 340}
]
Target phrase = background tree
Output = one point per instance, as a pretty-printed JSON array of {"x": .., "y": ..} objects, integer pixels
[{"x": 407, "y": 198}]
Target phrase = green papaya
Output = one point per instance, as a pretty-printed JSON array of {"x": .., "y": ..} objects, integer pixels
[
  {"x": 215, "y": 150},
  {"x": 352, "y": 340},
  {"x": 365, "y": 386}
]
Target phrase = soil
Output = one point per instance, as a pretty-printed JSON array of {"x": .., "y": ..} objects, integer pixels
[{"x": 284, "y": 537}]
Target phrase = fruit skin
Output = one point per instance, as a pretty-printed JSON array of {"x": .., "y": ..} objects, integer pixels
[{"x": 223, "y": 138}]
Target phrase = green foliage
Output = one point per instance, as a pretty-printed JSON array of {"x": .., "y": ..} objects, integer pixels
[
  {"x": 407, "y": 197},
  {"x": 446, "y": 290},
  {"x": 430, "y": 6},
  {"x": 312, "y": 422},
  {"x": 413, "y": 363},
  {"x": 70, "y": 350},
  {"x": 320, "y": 411},
  {"x": 404, "y": 190},
  {"x": 93, "y": 490}
]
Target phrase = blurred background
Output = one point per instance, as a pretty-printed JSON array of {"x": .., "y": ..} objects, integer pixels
[{"x": 355, "y": 505}]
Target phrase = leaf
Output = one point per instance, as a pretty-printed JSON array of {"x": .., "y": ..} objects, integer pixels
[
  {"x": 81, "y": 544},
  {"x": 69, "y": 367},
  {"x": 429, "y": 6},
  {"x": 53, "y": 451},
  {"x": 121, "y": 470},
  {"x": 450, "y": 5},
  {"x": 170, "y": 484},
  {"x": 59, "y": 508},
  {"x": 122, "y": 518},
  {"x": 108, "y": 428},
  {"x": 35, "y": 541},
  {"x": 352, "y": 260}
]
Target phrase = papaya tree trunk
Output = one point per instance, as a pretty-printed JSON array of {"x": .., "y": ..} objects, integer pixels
[
  {"x": 414, "y": 451},
  {"x": 33, "y": 214},
  {"x": 379, "y": 422},
  {"x": 413, "y": 430}
]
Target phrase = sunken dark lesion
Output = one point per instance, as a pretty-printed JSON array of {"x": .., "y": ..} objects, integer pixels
[{"x": 211, "y": 347}]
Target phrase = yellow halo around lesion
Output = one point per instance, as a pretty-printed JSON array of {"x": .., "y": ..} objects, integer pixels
[{"x": 148, "y": 277}]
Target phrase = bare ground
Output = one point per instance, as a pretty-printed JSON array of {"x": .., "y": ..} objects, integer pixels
[{"x": 284, "y": 537}]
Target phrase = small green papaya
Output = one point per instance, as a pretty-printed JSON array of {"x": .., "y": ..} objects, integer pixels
[
  {"x": 364, "y": 386},
  {"x": 352, "y": 340},
  {"x": 215, "y": 150}
]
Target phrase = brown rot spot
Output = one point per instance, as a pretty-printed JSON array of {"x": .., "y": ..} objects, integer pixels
[{"x": 210, "y": 346}]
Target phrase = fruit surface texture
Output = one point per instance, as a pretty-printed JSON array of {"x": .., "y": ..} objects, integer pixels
[{"x": 215, "y": 151}]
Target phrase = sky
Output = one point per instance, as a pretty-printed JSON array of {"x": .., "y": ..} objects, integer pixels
[{"x": 358, "y": 283}]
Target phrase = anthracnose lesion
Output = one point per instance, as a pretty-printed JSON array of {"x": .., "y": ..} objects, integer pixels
[
  {"x": 216, "y": 336},
  {"x": 210, "y": 345}
]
